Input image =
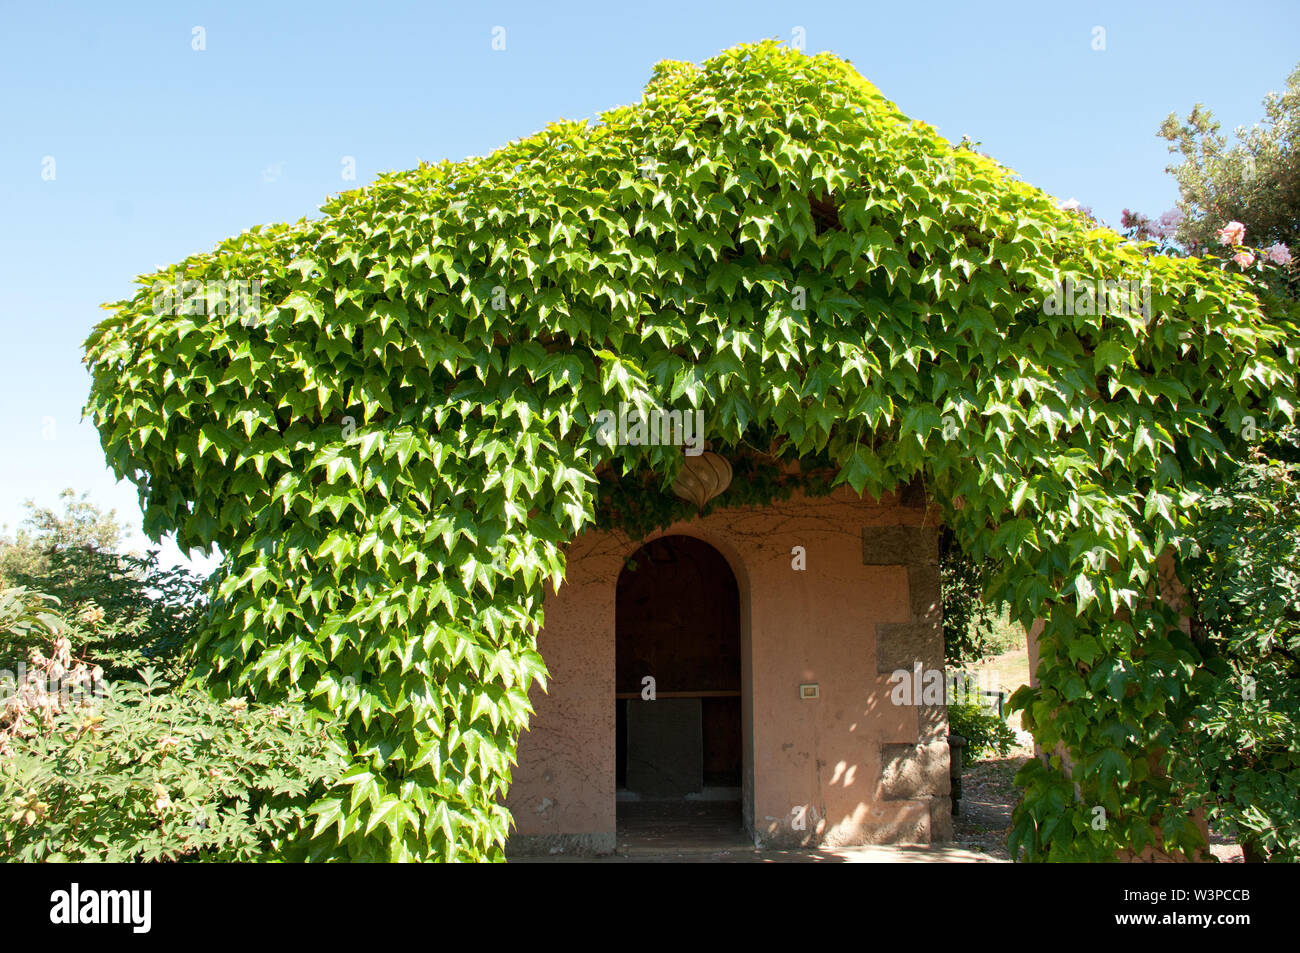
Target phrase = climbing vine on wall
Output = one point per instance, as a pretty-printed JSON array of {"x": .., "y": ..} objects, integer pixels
[{"x": 388, "y": 429}]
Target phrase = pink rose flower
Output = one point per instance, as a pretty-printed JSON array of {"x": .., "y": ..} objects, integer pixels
[
  {"x": 1278, "y": 254},
  {"x": 1244, "y": 258},
  {"x": 1234, "y": 233}
]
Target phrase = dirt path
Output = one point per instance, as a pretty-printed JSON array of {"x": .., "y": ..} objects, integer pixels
[{"x": 988, "y": 795}]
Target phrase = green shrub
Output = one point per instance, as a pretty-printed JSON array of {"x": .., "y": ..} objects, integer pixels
[
  {"x": 985, "y": 731},
  {"x": 152, "y": 774},
  {"x": 27, "y": 620},
  {"x": 968, "y": 621},
  {"x": 141, "y": 770}
]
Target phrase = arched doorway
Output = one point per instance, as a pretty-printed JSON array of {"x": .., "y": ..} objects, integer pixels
[{"x": 678, "y": 693}]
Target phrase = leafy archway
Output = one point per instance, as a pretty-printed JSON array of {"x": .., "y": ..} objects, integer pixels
[{"x": 384, "y": 417}]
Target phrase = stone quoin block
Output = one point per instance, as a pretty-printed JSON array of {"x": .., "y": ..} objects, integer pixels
[
  {"x": 924, "y": 593},
  {"x": 914, "y": 771},
  {"x": 899, "y": 546},
  {"x": 940, "y": 820},
  {"x": 932, "y": 724},
  {"x": 903, "y": 644}
]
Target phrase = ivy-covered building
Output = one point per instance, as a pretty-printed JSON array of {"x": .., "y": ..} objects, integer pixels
[{"x": 397, "y": 429}]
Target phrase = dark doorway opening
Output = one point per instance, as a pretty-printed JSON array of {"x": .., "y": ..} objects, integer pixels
[{"x": 679, "y": 753}]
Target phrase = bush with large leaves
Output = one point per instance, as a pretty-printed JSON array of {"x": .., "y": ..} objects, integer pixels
[
  {"x": 151, "y": 773},
  {"x": 141, "y": 769},
  {"x": 395, "y": 446}
]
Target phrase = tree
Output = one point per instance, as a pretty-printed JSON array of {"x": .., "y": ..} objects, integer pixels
[
  {"x": 1255, "y": 181},
  {"x": 44, "y": 532},
  {"x": 125, "y": 609}
]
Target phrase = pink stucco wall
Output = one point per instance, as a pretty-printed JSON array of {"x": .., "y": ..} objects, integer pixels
[{"x": 843, "y": 759}]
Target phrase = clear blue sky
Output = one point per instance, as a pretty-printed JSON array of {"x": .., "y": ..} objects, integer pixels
[{"x": 161, "y": 150}]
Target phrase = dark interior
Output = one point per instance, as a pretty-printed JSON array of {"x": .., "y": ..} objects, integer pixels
[{"x": 678, "y": 620}]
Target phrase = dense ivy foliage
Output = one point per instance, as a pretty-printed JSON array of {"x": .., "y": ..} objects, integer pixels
[{"x": 395, "y": 450}]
